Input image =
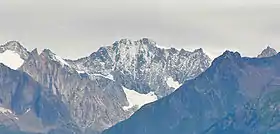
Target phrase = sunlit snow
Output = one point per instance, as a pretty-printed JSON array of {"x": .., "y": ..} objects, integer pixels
[
  {"x": 136, "y": 99},
  {"x": 11, "y": 59},
  {"x": 81, "y": 72},
  {"x": 5, "y": 110},
  {"x": 162, "y": 47},
  {"x": 171, "y": 83},
  {"x": 109, "y": 76}
]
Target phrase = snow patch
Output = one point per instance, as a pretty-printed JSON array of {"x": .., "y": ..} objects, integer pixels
[
  {"x": 5, "y": 110},
  {"x": 171, "y": 83},
  {"x": 81, "y": 72},
  {"x": 11, "y": 59},
  {"x": 109, "y": 76},
  {"x": 136, "y": 99},
  {"x": 162, "y": 47}
]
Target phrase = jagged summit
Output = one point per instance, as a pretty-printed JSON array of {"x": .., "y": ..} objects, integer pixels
[
  {"x": 124, "y": 41},
  {"x": 14, "y": 44},
  {"x": 199, "y": 50},
  {"x": 268, "y": 52},
  {"x": 34, "y": 51},
  {"x": 141, "y": 65},
  {"x": 229, "y": 60},
  {"x": 13, "y": 54},
  {"x": 15, "y": 47},
  {"x": 143, "y": 44},
  {"x": 128, "y": 43},
  {"x": 47, "y": 53},
  {"x": 147, "y": 41},
  {"x": 142, "y": 40},
  {"x": 230, "y": 54}
]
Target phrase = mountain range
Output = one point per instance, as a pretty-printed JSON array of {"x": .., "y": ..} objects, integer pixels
[
  {"x": 44, "y": 93},
  {"x": 138, "y": 87}
]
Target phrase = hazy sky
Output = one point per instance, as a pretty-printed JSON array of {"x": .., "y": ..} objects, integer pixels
[{"x": 76, "y": 28}]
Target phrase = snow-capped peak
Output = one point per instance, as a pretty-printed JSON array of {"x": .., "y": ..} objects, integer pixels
[
  {"x": 125, "y": 41},
  {"x": 54, "y": 57},
  {"x": 12, "y": 54},
  {"x": 16, "y": 47},
  {"x": 268, "y": 52},
  {"x": 128, "y": 42}
]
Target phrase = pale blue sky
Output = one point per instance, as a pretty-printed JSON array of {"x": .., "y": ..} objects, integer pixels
[{"x": 76, "y": 28}]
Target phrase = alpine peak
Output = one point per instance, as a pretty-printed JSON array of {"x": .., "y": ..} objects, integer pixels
[
  {"x": 268, "y": 52},
  {"x": 15, "y": 47}
]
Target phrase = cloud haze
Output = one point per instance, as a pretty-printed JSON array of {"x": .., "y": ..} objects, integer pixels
[{"x": 78, "y": 27}]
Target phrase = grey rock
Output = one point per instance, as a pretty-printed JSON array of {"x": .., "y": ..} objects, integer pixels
[{"x": 94, "y": 103}]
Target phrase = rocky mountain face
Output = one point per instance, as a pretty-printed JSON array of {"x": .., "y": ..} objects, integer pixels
[
  {"x": 143, "y": 66},
  {"x": 26, "y": 106},
  {"x": 235, "y": 95},
  {"x": 268, "y": 52},
  {"x": 94, "y": 104}
]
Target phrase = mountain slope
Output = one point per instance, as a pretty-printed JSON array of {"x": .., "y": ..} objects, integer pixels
[{"x": 235, "y": 95}]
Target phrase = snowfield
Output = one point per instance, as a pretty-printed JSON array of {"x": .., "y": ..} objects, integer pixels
[
  {"x": 11, "y": 59},
  {"x": 136, "y": 99},
  {"x": 171, "y": 83}
]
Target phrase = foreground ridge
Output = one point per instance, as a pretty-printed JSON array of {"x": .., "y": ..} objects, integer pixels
[{"x": 234, "y": 95}]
